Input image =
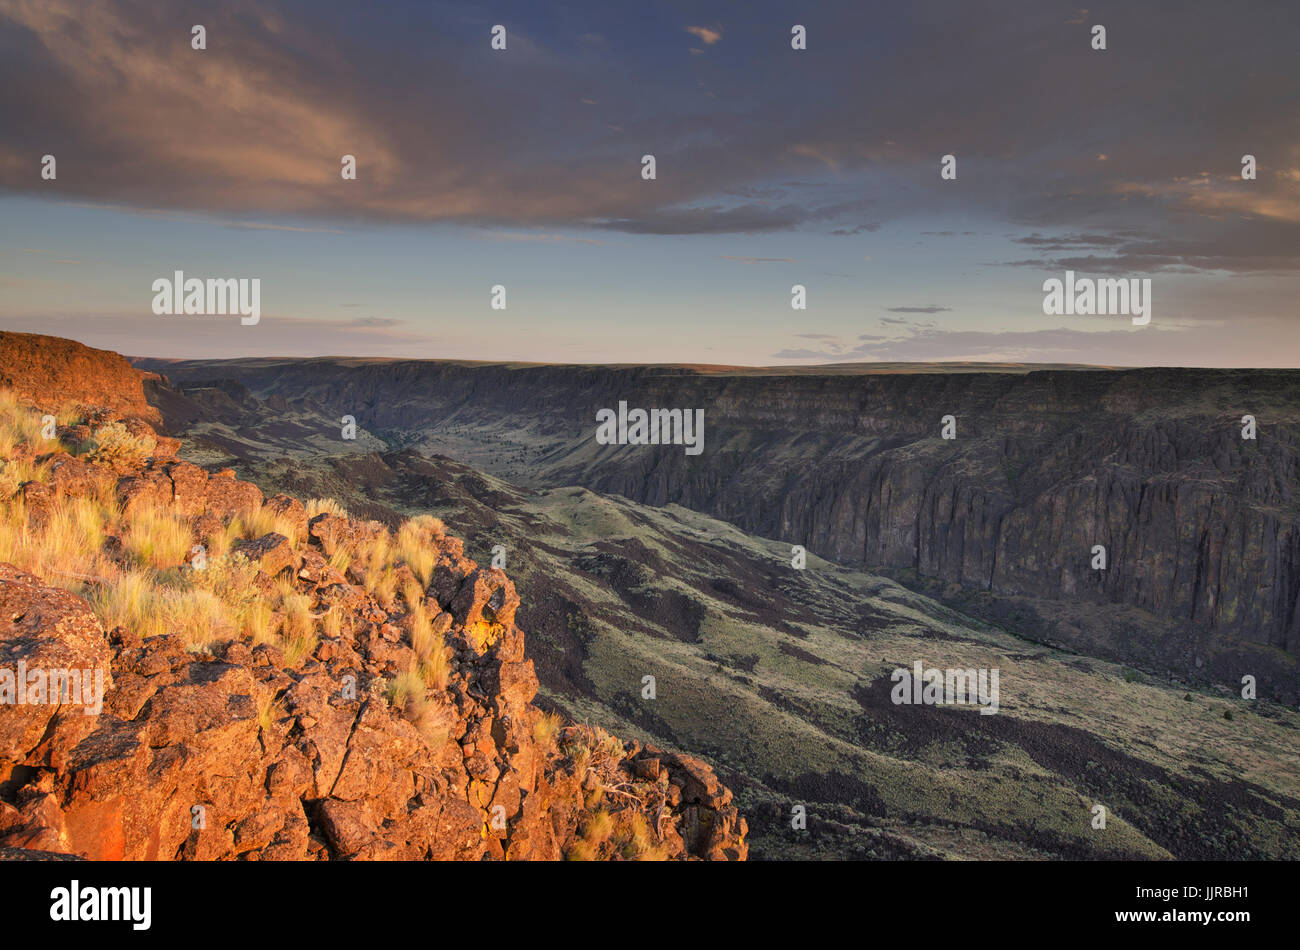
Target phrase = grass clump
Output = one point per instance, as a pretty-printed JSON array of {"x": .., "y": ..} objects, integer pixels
[
  {"x": 325, "y": 506},
  {"x": 21, "y": 428},
  {"x": 156, "y": 538},
  {"x": 417, "y": 547},
  {"x": 270, "y": 709},
  {"x": 546, "y": 730},
  {"x": 432, "y": 659}
]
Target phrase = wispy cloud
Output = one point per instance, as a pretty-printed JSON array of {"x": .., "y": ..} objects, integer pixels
[
  {"x": 537, "y": 238},
  {"x": 1059, "y": 344},
  {"x": 198, "y": 218},
  {"x": 148, "y": 335},
  {"x": 707, "y": 35}
]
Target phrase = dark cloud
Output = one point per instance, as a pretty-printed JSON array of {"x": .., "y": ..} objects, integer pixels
[
  {"x": 902, "y": 322},
  {"x": 1071, "y": 241},
  {"x": 445, "y": 129}
]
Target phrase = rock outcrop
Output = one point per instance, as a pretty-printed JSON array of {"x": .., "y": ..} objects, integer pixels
[
  {"x": 236, "y": 751},
  {"x": 35, "y": 367}
]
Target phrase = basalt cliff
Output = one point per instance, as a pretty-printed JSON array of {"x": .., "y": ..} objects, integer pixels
[{"x": 1200, "y": 526}]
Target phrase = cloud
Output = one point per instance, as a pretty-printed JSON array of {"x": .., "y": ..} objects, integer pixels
[
  {"x": 930, "y": 309},
  {"x": 538, "y": 238},
  {"x": 1266, "y": 341},
  {"x": 759, "y": 260},
  {"x": 372, "y": 322},
  {"x": 743, "y": 219},
  {"x": 206, "y": 219},
  {"x": 1056, "y": 345},
  {"x": 1233, "y": 243},
  {"x": 706, "y": 35},
  {"x": 255, "y": 126},
  {"x": 215, "y": 337},
  {"x": 1071, "y": 241}
]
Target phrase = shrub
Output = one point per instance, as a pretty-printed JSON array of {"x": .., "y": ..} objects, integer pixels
[{"x": 114, "y": 443}]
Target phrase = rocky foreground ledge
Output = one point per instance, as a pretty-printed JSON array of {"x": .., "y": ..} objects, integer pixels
[{"x": 235, "y": 751}]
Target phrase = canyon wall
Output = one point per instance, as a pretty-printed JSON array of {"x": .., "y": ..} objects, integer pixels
[{"x": 1199, "y": 525}]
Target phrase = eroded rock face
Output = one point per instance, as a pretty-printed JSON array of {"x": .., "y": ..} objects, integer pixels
[
  {"x": 35, "y": 366},
  {"x": 238, "y": 754}
]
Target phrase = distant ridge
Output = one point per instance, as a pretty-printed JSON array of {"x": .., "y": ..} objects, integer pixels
[{"x": 158, "y": 364}]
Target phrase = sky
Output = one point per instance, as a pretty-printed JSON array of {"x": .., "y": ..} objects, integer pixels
[{"x": 774, "y": 167}]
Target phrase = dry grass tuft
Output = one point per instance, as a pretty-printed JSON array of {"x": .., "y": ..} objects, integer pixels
[
  {"x": 417, "y": 545},
  {"x": 155, "y": 538},
  {"x": 545, "y": 731},
  {"x": 325, "y": 506}
]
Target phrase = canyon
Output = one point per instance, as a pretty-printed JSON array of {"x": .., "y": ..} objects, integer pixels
[
  {"x": 724, "y": 698},
  {"x": 1200, "y": 525}
]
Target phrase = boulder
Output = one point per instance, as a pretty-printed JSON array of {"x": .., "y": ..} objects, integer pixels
[
  {"x": 291, "y": 511},
  {"x": 271, "y": 552},
  {"x": 226, "y": 496}
]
